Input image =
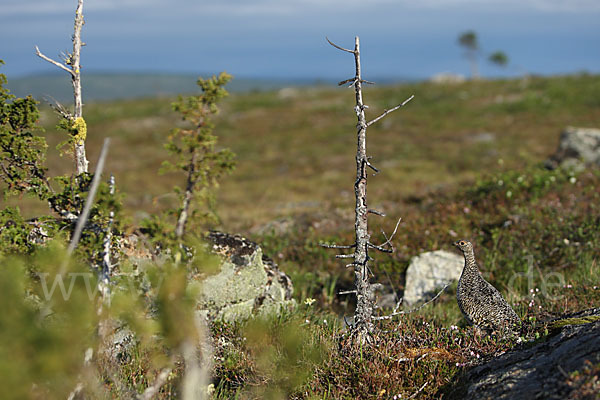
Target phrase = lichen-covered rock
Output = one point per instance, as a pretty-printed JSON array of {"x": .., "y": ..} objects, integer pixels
[
  {"x": 247, "y": 283},
  {"x": 120, "y": 344},
  {"x": 429, "y": 272},
  {"x": 577, "y": 146}
]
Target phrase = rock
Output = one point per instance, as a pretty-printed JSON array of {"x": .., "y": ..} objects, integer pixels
[
  {"x": 447, "y": 78},
  {"x": 541, "y": 371},
  {"x": 277, "y": 227},
  {"x": 483, "y": 137},
  {"x": 287, "y": 93},
  {"x": 120, "y": 345},
  {"x": 577, "y": 146},
  {"x": 248, "y": 282},
  {"x": 430, "y": 271}
]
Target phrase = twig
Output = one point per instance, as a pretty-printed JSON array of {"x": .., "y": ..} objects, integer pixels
[
  {"x": 75, "y": 393},
  {"x": 371, "y": 211},
  {"x": 194, "y": 385},
  {"x": 107, "y": 266},
  {"x": 353, "y": 79},
  {"x": 415, "y": 394},
  {"x": 106, "y": 263},
  {"x": 395, "y": 313},
  {"x": 81, "y": 220},
  {"x": 344, "y": 255},
  {"x": 56, "y": 106},
  {"x": 390, "y": 110},
  {"x": 341, "y": 48},
  {"x": 388, "y": 240},
  {"x": 51, "y": 61},
  {"x": 87, "y": 359},
  {"x": 353, "y": 82},
  {"x": 347, "y": 292},
  {"x": 159, "y": 382},
  {"x": 380, "y": 248},
  {"x": 338, "y": 246},
  {"x": 372, "y": 166}
]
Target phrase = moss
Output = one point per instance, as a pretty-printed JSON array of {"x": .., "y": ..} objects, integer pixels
[{"x": 574, "y": 321}]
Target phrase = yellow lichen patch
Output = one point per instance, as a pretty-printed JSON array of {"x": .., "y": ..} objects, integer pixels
[{"x": 79, "y": 130}]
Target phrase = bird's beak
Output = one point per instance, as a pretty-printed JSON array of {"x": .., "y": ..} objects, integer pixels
[{"x": 456, "y": 243}]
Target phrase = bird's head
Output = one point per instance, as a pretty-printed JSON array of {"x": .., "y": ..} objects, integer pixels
[{"x": 464, "y": 245}]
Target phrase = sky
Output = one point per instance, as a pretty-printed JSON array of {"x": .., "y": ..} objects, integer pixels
[{"x": 285, "y": 39}]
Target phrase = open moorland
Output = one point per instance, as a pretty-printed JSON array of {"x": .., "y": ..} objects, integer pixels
[{"x": 458, "y": 161}]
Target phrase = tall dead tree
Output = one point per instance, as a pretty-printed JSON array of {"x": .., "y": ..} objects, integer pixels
[
  {"x": 71, "y": 64},
  {"x": 362, "y": 326}
]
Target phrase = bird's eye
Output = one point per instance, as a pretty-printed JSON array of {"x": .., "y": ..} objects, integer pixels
[{"x": 462, "y": 243}]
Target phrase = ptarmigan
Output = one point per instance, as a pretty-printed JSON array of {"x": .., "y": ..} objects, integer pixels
[{"x": 480, "y": 302}]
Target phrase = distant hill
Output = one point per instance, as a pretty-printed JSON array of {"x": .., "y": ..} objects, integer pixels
[{"x": 111, "y": 86}]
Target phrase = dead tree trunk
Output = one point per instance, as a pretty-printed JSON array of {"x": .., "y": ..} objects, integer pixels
[
  {"x": 364, "y": 294},
  {"x": 72, "y": 65},
  {"x": 81, "y": 162},
  {"x": 362, "y": 326}
]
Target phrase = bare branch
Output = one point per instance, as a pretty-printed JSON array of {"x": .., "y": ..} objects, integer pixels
[
  {"x": 195, "y": 381},
  {"x": 371, "y": 211},
  {"x": 106, "y": 262},
  {"x": 380, "y": 248},
  {"x": 56, "y": 106},
  {"x": 344, "y": 255},
  {"x": 415, "y": 394},
  {"x": 76, "y": 392},
  {"x": 399, "y": 360},
  {"x": 338, "y": 47},
  {"x": 372, "y": 167},
  {"x": 337, "y": 246},
  {"x": 353, "y": 79},
  {"x": 159, "y": 382},
  {"x": 51, "y": 61},
  {"x": 390, "y": 316},
  {"x": 88, "y": 202},
  {"x": 388, "y": 240},
  {"x": 353, "y": 82},
  {"x": 347, "y": 292},
  {"x": 390, "y": 110}
]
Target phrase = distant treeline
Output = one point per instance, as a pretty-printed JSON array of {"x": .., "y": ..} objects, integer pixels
[{"x": 110, "y": 86}]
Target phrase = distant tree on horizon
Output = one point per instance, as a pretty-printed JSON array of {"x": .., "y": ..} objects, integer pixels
[
  {"x": 468, "y": 40},
  {"x": 498, "y": 58}
]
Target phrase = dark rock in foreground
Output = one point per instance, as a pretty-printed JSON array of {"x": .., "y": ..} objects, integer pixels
[{"x": 538, "y": 372}]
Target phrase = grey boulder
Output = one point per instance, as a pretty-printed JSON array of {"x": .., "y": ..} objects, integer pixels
[
  {"x": 577, "y": 146},
  {"x": 429, "y": 272}
]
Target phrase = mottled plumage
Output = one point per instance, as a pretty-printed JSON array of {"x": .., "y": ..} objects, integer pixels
[{"x": 480, "y": 302}]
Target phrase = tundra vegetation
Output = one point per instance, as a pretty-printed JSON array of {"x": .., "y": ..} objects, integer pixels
[{"x": 464, "y": 160}]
